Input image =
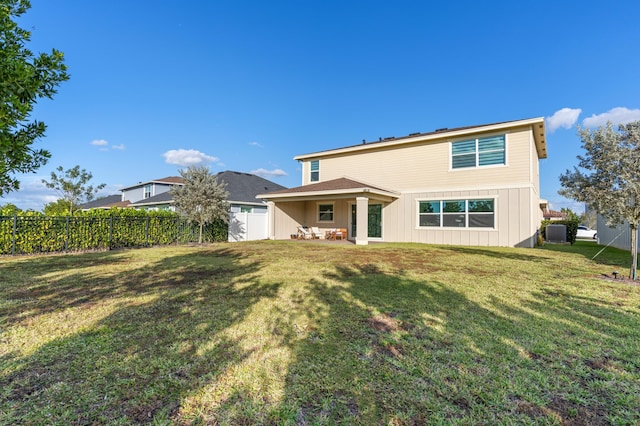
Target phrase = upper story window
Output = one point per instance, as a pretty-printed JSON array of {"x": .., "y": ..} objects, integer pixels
[
  {"x": 315, "y": 171},
  {"x": 478, "y": 152},
  {"x": 147, "y": 191}
]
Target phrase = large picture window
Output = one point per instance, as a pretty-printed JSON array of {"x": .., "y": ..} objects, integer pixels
[
  {"x": 315, "y": 171},
  {"x": 478, "y": 152},
  {"x": 457, "y": 213}
]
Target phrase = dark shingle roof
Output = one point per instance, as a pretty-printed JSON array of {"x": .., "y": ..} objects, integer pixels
[
  {"x": 243, "y": 187},
  {"x": 105, "y": 203},
  {"x": 162, "y": 198}
]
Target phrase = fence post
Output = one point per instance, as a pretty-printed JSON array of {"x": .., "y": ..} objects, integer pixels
[
  {"x": 13, "y": 237},
  {"x": 110, "y": 231},
  {"x": 66, "y": 237},
  {"x": 146, "y": 231}
]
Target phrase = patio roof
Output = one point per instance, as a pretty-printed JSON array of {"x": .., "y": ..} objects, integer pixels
[{"x": 331, "y": 189}]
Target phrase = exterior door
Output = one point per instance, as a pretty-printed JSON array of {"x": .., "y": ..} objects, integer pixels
[{"x": 375, "y": 221}]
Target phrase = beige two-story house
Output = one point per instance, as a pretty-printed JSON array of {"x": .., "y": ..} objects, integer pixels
[{"x": 476, "y": 186}]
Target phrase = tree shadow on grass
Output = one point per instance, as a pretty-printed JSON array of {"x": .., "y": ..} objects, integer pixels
[
  {"x": 389, "y": 349},
  {"x": 162, "y": 336}
]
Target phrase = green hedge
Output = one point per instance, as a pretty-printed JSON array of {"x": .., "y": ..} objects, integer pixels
[
  {"x": 572, "y": 228},
  {"x": 33, "y": 232}
]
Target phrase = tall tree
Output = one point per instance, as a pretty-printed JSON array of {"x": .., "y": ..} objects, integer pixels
[
  {"x": 607, "y": 178},
  {"x": 202, "y": 199},
  {"x": 72, "y": 186},
  {"x": 24, "y": 78}
]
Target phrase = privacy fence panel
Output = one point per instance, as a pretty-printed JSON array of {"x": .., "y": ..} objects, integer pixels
[{"x": 43, "y": 234}]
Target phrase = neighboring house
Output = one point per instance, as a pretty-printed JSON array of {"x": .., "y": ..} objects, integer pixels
[
  {"x": 153, "y": 194},
  {"x": 477, "y": 186},
  {"x": 548, "y": 214},
  {"x": 248, "y": 216}
]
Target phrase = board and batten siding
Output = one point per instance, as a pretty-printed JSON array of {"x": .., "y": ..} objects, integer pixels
[
  {"x": 513, "y": 227},
  {"x": 415, "y": 166}
]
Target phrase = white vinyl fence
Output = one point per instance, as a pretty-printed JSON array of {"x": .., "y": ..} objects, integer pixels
[{"x": 248, "y": 226}]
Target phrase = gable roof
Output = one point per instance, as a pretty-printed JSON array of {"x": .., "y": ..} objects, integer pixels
[
  {"x": 537, "y": 125},
  {"x": 169, "y": 180},
  {"x": 335, "y": 188}
]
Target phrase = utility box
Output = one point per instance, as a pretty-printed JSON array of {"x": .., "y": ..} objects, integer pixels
[{"x": 556, "y": 233}]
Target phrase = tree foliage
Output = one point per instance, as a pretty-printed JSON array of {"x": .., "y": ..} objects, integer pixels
[
  {"x": 24, "y": 78},
  {"x": 59, "y": 207},
  {"x": 607, "y": 178},
  {"x": 202, "y": 199},
  {"x": 72, "y": 186}
]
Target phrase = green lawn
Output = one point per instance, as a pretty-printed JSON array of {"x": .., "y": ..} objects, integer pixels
[{"x": 303, "y": 333}]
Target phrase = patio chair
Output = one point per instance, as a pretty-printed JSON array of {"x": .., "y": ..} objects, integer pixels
[
  {"x": 304, "y": 233},
  {"x": 315, "y": 232},
  {"x": 341, "y": 234}
]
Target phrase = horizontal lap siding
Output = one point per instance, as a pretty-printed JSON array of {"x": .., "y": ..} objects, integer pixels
[{"x": 426, "y": 165}]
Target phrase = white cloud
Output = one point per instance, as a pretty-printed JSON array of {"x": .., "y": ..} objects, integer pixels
[
  {"x": 187, "y": 157},
  {"x": 268, "y": 173},
  {"x": 256, "y": 144},
  {"x": 618, "y": 115},
  {"x": 565, "y": 118},
  {"x": 99, "y": 142},
  {"x": 32, "y": 195},
  {"x": 121, "y": 146}
]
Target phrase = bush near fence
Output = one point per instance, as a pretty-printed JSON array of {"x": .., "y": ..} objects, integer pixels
[{"x": 33, "y": 232}]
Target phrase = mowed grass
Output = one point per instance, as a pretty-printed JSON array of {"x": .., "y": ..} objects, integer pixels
[{"x": 304, "y": 333}]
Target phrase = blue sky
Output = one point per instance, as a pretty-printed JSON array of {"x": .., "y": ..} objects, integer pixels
[{"x": 247, "y": 85}]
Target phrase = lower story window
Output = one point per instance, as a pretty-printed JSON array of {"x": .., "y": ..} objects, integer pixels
[
  {"x": 325, "y": 212},
  {"x": 457, "y": 213}
]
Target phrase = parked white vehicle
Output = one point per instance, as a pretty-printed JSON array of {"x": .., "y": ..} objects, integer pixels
[{"x": 585, "y": 232}]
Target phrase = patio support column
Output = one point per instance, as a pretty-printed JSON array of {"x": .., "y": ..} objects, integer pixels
[
  {"x": 362, "y": 220},
  {"x": 271, "y": 219}
]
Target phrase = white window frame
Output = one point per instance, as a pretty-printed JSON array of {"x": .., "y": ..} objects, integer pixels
[
  {"x": 477, "y": 153},
  {"x": 333, "y": 212},
  {"x": 144, "y": 191},
  {"x": 466, "y": 213},
  {"x": 311, "y": 171}
]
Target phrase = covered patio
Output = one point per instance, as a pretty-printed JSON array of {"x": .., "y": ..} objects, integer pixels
[{"x": 341, "y": 203}]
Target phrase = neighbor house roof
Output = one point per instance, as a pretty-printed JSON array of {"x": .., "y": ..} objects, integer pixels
[
  {"x": 335, "y": 188},
  {"x": 244, "y": 187},
  {"x": 170, "y": 180},
  {"x": 538, "y": 134},
  {"x": 163, "y": 198},
  {"x": 105, "y": 203}
]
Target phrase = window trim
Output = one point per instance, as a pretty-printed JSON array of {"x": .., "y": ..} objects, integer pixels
[
  {"x": 333, "y": 212},
  {"x": 144, "y": 191},
  {"x": 466, "y": 212},
  {"x": 477, "y": 153}
]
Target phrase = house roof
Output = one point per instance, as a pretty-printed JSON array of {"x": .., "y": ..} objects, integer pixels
[
  {"x": 163, "y": 198},
  {"x": 536, "y": 123},
  {"x": 242, "y": 189},
  {"x": 170, "y": 180},
  {"x": 105, "y": 203},
  {"x": 342, "y": 187}
]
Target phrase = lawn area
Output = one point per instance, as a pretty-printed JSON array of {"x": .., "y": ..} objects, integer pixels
[{"x": 303, "y": 333}]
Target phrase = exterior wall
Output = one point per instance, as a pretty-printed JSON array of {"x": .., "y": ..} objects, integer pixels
[
  {"x": 136, "y": 193},
  {"x": 515, "y": 224},
  {"x": 425, "y": 165},
  {"x": 618, "y": 236},
  {"x": 287, "y": 216}
]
